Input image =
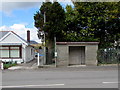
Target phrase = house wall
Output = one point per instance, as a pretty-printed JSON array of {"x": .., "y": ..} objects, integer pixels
[
  {"x": 63, "y": 54},
  {"x": 23, "y": 53},
  {"x": 30, "y": 54}
]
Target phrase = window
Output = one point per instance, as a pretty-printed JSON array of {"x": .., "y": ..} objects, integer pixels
[
  {"x": 10, "y": 51},
  {"x": 4, "y": 51},
  {"x": 14, "y": 52}
]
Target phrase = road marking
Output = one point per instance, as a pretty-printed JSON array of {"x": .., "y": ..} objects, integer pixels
[
  {"x": 32, "y": 85},
  {"x": 109, "y": 82}
]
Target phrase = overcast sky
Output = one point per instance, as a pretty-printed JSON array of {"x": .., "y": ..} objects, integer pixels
[{"x": 17, "y": 16}]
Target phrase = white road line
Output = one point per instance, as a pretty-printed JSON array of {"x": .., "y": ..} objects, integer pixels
[
  {"x": 109, "y": 82},
  {"x": 33, "y": 85}
]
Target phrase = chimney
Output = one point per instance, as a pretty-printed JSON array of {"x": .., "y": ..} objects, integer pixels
[{"x": 28, "y": 36}]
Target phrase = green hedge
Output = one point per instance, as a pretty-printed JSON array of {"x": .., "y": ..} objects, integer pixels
[{"x": 6, "y": 66}]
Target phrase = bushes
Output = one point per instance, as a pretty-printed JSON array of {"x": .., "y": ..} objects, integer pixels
[{"x": 6, "y": 65}]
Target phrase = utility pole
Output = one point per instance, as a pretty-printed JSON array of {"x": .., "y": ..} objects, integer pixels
[{"x": 44, "y": 61}]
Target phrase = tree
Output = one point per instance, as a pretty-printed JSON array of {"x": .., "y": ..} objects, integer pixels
[
  {"x": 53, "y": 26},
  {"x": 86, "y": 21},
  {"x": 55, "y": 17},
  {"x": 100, "y": 20},
  {"x": 70, "y": 24},
  {"x": 39, "y": 17},
  {"x": 78, "y": 22}
]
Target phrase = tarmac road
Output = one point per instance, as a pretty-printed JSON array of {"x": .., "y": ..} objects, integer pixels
[{"x": 70, "y": 77}]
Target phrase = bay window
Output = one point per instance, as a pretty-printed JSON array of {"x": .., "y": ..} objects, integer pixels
[{"x": 10, "y": 52}]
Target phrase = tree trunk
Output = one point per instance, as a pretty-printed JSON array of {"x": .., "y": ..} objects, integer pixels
[{"x": 50, "y": 49}]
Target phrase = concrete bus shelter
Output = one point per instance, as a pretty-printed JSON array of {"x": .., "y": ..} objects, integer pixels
[{"x": 76, "y": 53}]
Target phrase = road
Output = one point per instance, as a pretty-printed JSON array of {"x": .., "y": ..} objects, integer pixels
[{"x": 70, "y": 77}]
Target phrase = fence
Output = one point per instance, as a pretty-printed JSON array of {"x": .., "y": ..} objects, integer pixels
[{"x": 108, "y": 56}]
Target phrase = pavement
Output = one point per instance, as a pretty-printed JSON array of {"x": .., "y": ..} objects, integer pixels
[
  {"x": 29, "y": 65},
  {"x": 33, "y": 65}
]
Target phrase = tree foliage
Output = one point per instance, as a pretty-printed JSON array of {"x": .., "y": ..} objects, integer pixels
[
  {"x": 55, "y": 15},
  {"x": 86, "y": 21},
  {"x": 98, "y": 21}
]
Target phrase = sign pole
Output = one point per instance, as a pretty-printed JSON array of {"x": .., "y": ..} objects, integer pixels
[
  {"x": 55, "y": 53},
  {"x": 38, "y": 64}
]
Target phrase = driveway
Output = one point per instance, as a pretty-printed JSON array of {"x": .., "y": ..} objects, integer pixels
[{"x": 29, "y": 65}]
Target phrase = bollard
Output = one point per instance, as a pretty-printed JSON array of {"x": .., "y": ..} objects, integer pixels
[{"x": 2, "y": 66}]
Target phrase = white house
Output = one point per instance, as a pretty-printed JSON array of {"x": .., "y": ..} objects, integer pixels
[{"x": 15, "y": 48}]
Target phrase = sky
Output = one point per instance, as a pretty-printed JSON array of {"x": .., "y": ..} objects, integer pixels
[{"x": 18, "y": 15}]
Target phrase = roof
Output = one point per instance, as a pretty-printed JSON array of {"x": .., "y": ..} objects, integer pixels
[
  {"x": 3, "y": 33},
  {"x": 33, "y": 42},
  {"x": 10, "y": 44},
  {"x": 19, "y": 37},
  {"x": 77, "y": 43}
]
